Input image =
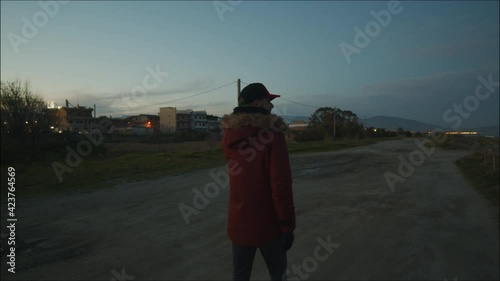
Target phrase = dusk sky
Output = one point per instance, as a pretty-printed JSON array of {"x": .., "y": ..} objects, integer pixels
[{"x": 423, "y": 60}]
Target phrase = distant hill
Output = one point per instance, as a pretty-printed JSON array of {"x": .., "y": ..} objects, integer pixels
[
  {"x": 393, "y": 123},
  {"x": 488, "y": 131}
]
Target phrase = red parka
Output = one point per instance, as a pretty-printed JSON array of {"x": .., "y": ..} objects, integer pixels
[{"x": 261, "y": 199}]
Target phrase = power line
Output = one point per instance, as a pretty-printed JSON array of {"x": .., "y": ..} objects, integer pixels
[
  {"x": 303, "y": 104},
  {"x": 205, "y": 92},
  {"x": 176, "y": 100}
]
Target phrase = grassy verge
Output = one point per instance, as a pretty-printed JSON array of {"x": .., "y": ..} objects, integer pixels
[
  {"x": 101, "y": 171},
  {"x": 481, "y": 175},
  {"x": 95, "y": 172},
  {"x": 453, "y": 142}
]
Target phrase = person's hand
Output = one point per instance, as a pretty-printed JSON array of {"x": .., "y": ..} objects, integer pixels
[{"x": 288, "y": 237}]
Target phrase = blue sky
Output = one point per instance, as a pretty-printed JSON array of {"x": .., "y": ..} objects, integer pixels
[{"x": 426, "y": 59}]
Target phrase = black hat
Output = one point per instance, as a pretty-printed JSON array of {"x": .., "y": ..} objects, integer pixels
[{"x": 255, "y": 91}]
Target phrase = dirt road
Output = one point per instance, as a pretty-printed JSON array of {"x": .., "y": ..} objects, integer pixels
[{"x": 350, "y": 225}]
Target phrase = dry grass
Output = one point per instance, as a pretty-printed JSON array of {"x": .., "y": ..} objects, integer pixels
[
  {"x": 193, "y": 146},
  {"x": 482, "y": 169},
  {"x": 123, "y": 162},
  {"x": 132, "y": 161}
]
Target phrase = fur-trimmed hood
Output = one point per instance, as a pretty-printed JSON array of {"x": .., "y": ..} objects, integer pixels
[
  {"x": 240, "y": 125},
  {"x": 258, "y": 120}
]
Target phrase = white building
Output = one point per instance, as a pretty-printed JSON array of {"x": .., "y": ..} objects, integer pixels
[{"x": 199, "y": 120}]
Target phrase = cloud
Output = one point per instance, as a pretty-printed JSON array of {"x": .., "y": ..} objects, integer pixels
[
  {"x": 184, "y": 87},
  {"x": 216, "y": 104},
  {"x": 479, "y": 27},
  {"x": 455, "y": 50},
  {"x": 423, "y": 85},
  {"x": 125, "y": 103},
  {"x": 465, "y": 25},
  {"x": 426, "y": 98},
  {"x": 421, "y": 98}
]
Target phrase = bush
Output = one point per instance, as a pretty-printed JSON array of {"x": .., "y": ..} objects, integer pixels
[
  {"x": 73, "y": 139},
  {"x": 190, "y": 136},
  {"x": 51, "y": 148},
  {"x": 312, "y": 134},
  {"x": 155, "y": 139}
]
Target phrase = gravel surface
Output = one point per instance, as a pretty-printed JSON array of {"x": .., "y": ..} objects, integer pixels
[{"x": 350, "y": 225}]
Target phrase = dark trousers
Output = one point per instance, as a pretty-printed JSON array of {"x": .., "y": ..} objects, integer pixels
[{"x": 274, "y": 256}]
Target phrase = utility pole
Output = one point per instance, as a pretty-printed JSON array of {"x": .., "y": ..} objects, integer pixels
[
  {"x": 94, "y": 111},
  {"x": 334, "y": 123},
  {"x": 239, "y": 90},
  {"x": 364, "y": 128}
]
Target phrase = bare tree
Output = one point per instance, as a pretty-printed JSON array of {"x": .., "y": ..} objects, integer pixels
[{"x": 23, "y": 113}]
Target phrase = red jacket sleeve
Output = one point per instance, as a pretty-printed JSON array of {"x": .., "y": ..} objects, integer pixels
[{"x": 281, "y": 183}]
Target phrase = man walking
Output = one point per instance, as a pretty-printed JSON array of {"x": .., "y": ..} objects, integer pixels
[{"x": 261, "y": 209}]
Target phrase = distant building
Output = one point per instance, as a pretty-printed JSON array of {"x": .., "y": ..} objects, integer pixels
[
  {"x": 70, "y": 118},
  {"x": 183, "y": 120},
  {"x": 173, "y": 120},
  {"x": 298, "y": 125},
  {"x": 199, "y": 121},
  {"x": 144, "y": 124},
  {"x": 144, "y": 121},
  {"x": 213, "y": 123},
  {"x": 168, "y": 119}
]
